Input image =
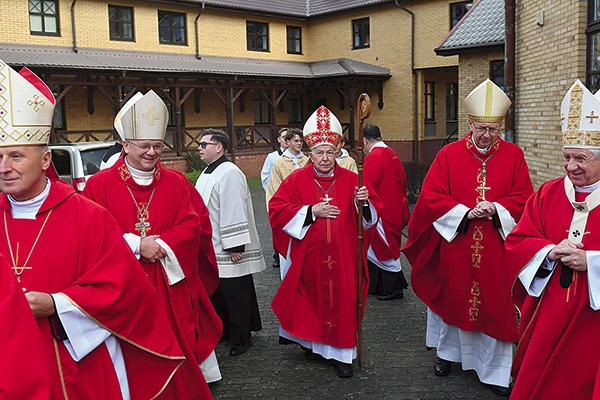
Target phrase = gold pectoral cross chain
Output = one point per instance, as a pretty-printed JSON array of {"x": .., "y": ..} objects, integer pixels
[{"x": 15, "y": 260}]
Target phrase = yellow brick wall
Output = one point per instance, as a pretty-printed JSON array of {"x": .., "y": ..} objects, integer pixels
[
  {"x": 549, "y": 59},
  {"x": 473, "y": 69}
]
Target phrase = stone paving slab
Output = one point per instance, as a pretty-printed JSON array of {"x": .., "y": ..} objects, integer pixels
[{"x": 396, "y": 364}]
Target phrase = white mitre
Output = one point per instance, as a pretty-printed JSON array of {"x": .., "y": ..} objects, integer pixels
[
  {"x": 26, "y": 108},
  {"x": 487, "y": 103},
  {"x": 143, "y": 117},
  {"x": 580, "y": 118}
]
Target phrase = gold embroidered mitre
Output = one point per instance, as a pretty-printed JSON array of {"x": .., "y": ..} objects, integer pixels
[
  {"x": 26, "y": 108},
  {"x": 487, "y": 103},
  {"x": 580, "y": 118},
  {"x": 322, "y": 127},
  {"x": 143, "y": 117}
]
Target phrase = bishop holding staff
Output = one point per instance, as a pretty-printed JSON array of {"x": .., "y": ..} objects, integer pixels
[
  {"x": 102, "y": 326},
  {"x": 314, "y": 219},
  {"x": 472, "y": 197},
  {"x": 555, "y": 254},
  {"x": 155, "y": 209}
]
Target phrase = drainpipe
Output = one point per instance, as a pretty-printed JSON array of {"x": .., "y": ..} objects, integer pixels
[
  {"x": 196, "y": 26},
  {"x": 509, "y": 65},
  {"x": 73, "y": 26},
  {"x": 415, "y": 83}
]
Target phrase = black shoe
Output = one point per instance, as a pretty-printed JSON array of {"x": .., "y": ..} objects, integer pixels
[
  {"x": 343, "y": 370},
  {"x": 276, "y": 265},
  {"x": 391, "y": 296},
  {"x": 500, "y": 390},
  {"x": 441, "y": 367},
  {"x": 237, "y": 350},
  {"x": 285, "y": 341}
]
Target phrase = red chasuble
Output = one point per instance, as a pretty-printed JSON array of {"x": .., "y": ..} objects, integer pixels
[
  {"x": 558, "y": 355},
  {"x": 80, "y": 253},
  {"x": 317, "y": 300},
  {"x": 466, "y": 281},
  {"x": 385, "y": 173},
  {"x": 169, "y": 211},
  {"x": 24, "y": 362}
]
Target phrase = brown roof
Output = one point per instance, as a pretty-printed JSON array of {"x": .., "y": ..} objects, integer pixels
[
  {"x": 115, "y": 60},
  {"x": 295, "y": 8}
]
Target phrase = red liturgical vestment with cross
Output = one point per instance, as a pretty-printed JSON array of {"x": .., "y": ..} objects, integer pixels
[
  {"x": 169, "y": 214},
  {"x": 24, "y": 362},
  {"x": 317, "y": 299},
  {"x": 81, "y": 255},
  {"x": 558, "y": 355},
  {"x": 466, "y": 281}
]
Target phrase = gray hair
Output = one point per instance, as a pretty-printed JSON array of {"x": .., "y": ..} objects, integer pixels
[{"x": 595, "y": 153}]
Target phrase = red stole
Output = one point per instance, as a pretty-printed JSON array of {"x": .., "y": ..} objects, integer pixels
[
  {"x": 317, "y": 300},
  {"x": 558, "y": 356},
  {"x": 169, "y": 205},
  {"x": 25, "y": 364},
  {"x": 466, "y": 281},
  {"x": 80, "y": 254},
  {"x": 385, "y": 173}
]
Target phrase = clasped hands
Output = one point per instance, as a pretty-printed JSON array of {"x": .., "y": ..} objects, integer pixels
[
  {"x": 570, "y": 254},
  {"x": 150, "y": 251},
  {"x": 483, "y": 210},
  {"x": 326, "y": 210}
]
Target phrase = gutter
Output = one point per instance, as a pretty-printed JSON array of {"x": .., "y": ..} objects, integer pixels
[
  {"x": 196, "y": 27},
  {"x": 415, "y": 83},
  {"x": 509, "y": 68},
  {"x": 75, "y": 50}
]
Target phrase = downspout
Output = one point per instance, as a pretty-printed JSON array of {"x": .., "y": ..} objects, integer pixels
[
  {"x": 415, "y": 83},
  {"x": 509, "y": 65},
  {"x": 73, "y": 26},
  {"x": 196, "y": 26}
]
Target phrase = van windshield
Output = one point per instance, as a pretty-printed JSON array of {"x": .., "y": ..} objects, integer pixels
[{"x": 91, "y": 160}]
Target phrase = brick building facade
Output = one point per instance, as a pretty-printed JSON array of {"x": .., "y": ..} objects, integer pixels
[{"x": 96, "y": 53}]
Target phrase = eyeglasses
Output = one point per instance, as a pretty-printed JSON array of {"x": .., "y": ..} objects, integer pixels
[
  {"x": 481, "y": 129},
  {"x": 157, "y": 147},
  {"x": 204, "y": 144}
]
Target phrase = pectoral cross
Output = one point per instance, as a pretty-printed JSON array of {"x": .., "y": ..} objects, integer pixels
[
  {"x": 142, "y": 226},
  {"x": 327, "y": 199},
  {"x": 482, "y": 188},
  {"x": 19, "y": 271}
]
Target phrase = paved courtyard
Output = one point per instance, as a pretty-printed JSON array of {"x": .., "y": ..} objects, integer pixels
[{"x": 396, "y": 364}]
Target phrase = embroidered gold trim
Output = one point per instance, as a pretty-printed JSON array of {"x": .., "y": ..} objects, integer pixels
[{"x": 475, "y": 302}]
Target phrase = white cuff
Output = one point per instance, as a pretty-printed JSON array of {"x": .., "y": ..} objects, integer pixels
[
  {"x": 507, "y": 222},
  {"x": 84, "y": 335},
  {"x": 170, "y": 264},
  {"x": 447, "y": 224},
  {"x": 593, "y": 273},
  {"x": 133, "y": 241},
  {"x": 295, "y": 228},
  {"x": 534, "y": 285}
]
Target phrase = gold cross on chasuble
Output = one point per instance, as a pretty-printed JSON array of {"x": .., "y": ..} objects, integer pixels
[{"x": 19, "y": 271}]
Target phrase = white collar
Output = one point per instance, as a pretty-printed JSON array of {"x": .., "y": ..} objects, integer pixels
[
  {"x": 289, "y": 154},
  {"x": 28, "y": 209},
  {"x": 324, "y": 175},
  {"x": 479, "y": 149},
  {"x": 588, "y": 188},
  {"x": 379, "y": 144},
  {"x": 140, "y": 177}
]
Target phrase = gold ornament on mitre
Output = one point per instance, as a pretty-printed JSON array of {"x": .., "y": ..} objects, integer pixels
[
  {"x": 580, "y": 118},
  {"x": 144, "y": 116},
  {"x": 487, "y": 103},
  {"x": 322, "y": 127},
  {"x": 26, "y": 108}
]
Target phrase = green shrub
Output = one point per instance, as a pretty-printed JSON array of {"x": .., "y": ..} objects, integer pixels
[
  {"x": 415, "y": 174},
  {"x": 194, "y": 162},
  {"x": 192, "y": 176}
]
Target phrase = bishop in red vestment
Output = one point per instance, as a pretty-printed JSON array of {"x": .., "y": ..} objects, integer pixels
[
  {"x": 154, "y": 208},
  {"x": 102, "y": 325},
  {"x": 555, "y": 260},
  {"x": 314, "y": 220},
  {"x": 385, "y": 173},
  {"x": 24, "y": 364},
  {"x": 472, "y": 196}
]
